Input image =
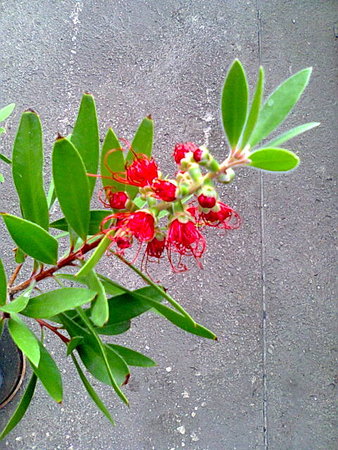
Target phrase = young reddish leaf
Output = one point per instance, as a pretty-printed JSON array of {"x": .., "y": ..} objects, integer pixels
[
  {"x": 85, "y": 136},
  {"x": 24, "y": 338},
  {"x": 27, "y": 170},
  {"x": 32, "y": 239},
  {"x": 55, "y": 302},
  {"x": 112, "y": 161},
  {"x": 234, "y": 102},
  {"x": 279, "y": 104},
  {"x": 71, "y": 185},
  {"x": 49, "y": 374},
  {"x": 21, "y": 408},
  {"x": 274, "y": 159}
]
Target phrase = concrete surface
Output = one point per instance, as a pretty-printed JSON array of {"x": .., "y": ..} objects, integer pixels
[{"x": 267, "y": 290}]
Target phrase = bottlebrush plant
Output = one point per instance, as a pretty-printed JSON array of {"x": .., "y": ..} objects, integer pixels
[{"x": 144, "y": 217}]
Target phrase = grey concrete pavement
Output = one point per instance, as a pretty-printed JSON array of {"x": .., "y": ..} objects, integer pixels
[{"x": 266, "y": 289}]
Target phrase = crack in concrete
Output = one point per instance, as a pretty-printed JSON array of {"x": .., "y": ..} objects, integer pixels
[{"x": 264, "y": 311}]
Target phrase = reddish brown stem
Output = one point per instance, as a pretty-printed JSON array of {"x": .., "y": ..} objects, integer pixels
[
  {"x": 67, "y": 261},
  {"x": 14, "y": 275},
  {"x": 55, "y": 330}
]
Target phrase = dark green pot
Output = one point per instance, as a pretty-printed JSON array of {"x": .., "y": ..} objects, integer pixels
[{"x": 12, "y": 368}]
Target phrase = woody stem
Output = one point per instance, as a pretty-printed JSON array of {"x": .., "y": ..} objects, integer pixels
[{"x": 63, "y": 262}]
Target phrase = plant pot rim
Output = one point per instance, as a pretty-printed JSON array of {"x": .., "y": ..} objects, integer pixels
[{"x": 20, "y": 378}]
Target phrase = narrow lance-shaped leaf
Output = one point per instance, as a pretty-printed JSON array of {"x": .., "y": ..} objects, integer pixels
[
  {"x": 290, "y": 134},
  {"x": 112, "y": 160},
  {"x": 234, "y": 102},
  {"x": 176, "y": 318},
  {"x": 274, "y": 159},
  {"x": 5, "y": 159},
  {"x": 91, "y": 392},
  {"x": 279, "y": 104},
  {"x": 21, "y": 408},
  {"x": 71, "y": 185},
  {"x": 49, "y": 374},
  {"x": 3, "y": 284},
  {"x": 133, "y": 358},
  {"x": 254, "y": 110},
  {"x": 104, "y": 355},
  {"x": 27, "y": 169},
  {"x": 24, "y": 338},
  {"x": 95, "y": 219},
  {"x": 19, "y": 303},
  {"x": 142, "y": 143},
  {"x": 99, "y": 308},
  {"x": 6, "y": 111},
  {"x": 32, "y": 239},
  {"x": 85, "y": 136},
  {"x": 55, "y": 302}
]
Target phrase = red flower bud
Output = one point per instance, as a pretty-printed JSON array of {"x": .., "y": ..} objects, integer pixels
[
  {"x": 206, "y": 201},
  {"x": 198, "y": 154},
  {"x": 116, "y": 200},
  {"x": 164, "y": 190},
  {"x": 180, "y": 150}
]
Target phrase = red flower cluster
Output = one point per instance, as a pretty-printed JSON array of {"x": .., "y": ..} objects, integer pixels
[{"x": 182, "y": 236}]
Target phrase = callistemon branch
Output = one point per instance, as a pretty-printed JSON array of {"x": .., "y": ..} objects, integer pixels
[{"x": 66, "y": 261}]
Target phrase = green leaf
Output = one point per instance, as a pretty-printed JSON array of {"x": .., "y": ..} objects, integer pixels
[
  {"x": 19, "y": 303},
  {"x": 290, "y": 134},
  {"x": 99, "y": 312},
  {"x": 111, "y": 287},
  {"x": 95, "y": 219},
  {"x": 131, "y": 357},
  {"x": 85, "y": 136},
  {"x": 5, "y": 159},
  {"x": 127, "y": 306},
  {"x": 114, "y": 328},
  {"x": 19, "y": 256},
  {"x": 2, "y": 179},
  {"x": 55, "y": 302},
  {"x": 32, "y": 239},
  {"x": 176, "y": 318},
  {"x": 21, "y": 408},
  {"x": 279, "y": 104},
  {"x": 73, "y": 343},
  {"x": 24, "y": 338},
  {"x": 71, "y": 185},
  {"x": 27, "y": 170},
  {"x": 6, "y": 111},
  {"x": 51, "y": 196},
  {"x": 91, "y": 392},
  {"x": 112, "y": 161},
  {"x": 142, "y": 143},
  {"x": 274, "y": 159},
  {"x": 49, "y": 374},
  {"x": 95, "y": 257},
  {"x": 254, "y": 110},
  {"x": 2, "y": 130},
  {"x": 234, "y": 102},
  {"x": 3, "y": 284},
  {"x": 111, "y": 361}
]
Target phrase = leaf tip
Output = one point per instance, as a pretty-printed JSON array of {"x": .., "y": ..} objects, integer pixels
[
  {"x": 30, "y": 110},
  {"x": 59, "y": 137},
  {"x": 149, "y": 116}
]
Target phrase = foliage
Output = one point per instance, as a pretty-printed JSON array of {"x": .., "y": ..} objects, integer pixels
[{"x": 164, "y": 217}]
